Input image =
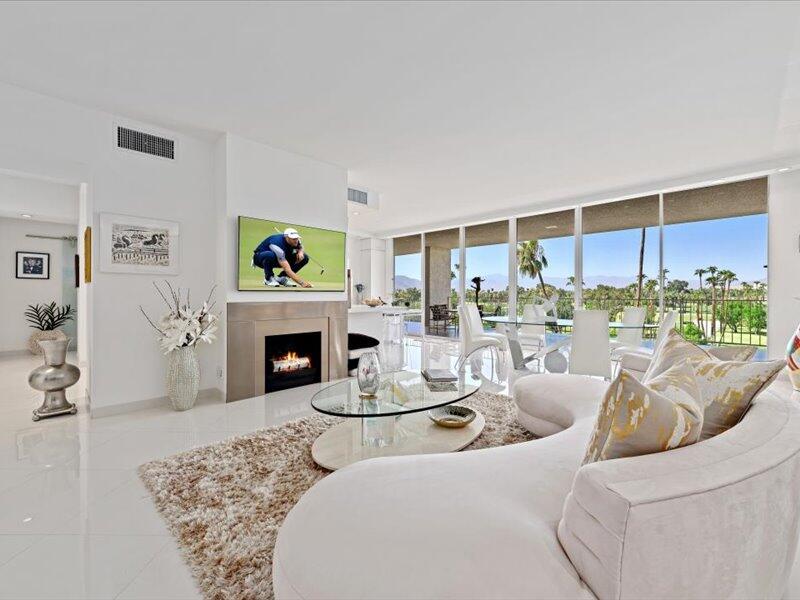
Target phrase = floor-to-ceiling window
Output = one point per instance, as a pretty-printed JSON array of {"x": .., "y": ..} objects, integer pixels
[
  {"x": 546, "y": 260},
  {"x": 715, "y": 256},
  {"x": 486, "y": 278},
  {"x": 408, "y": 278},
  {"x": 621, "y": 256},
  {"x": 441, "y": 281}
]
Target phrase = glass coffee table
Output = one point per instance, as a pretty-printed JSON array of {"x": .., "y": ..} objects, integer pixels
[{"x": 392, "y": 423}]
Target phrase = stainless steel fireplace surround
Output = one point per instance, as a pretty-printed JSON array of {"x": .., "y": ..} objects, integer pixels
[{"x": 248, "y": 323}]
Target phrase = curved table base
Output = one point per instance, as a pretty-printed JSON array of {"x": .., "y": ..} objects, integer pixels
[{"x": 415, "y": 433}]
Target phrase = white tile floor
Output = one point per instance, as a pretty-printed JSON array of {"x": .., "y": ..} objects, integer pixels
[{"x": 76, "y": 522}]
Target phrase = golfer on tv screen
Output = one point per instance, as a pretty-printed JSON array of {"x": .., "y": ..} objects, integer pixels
[{"x": 282, "y": 251}]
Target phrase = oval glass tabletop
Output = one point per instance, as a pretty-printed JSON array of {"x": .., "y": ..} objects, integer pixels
[{"x": 401, "y": 392}]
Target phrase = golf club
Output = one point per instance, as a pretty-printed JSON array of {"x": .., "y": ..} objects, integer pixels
[{"x": 319, "y": 264}]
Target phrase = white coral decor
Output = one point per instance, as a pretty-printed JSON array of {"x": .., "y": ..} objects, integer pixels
[{"x": 183, "y": 326}]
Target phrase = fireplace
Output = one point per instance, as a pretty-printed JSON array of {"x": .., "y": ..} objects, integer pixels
[
  {"x": 292, "y": 360},
  {"x": 260, "y": 332}
]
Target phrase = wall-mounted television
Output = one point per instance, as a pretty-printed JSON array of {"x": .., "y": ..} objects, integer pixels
[{"x": 277, "y": 257}]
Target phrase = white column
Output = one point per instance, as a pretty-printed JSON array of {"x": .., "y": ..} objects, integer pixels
[
  {"x": 423, "y": 285},
  {"x": 578, "y": 287},
  {"x": 660, "y": 257},
  {"x": 512, "y": 267},
  {"x": 389, "y": 272},
  {"x": 462, "y": 263},
  {"x": 783, "y": 284}
]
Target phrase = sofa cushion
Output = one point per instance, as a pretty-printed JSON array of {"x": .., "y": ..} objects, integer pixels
[
  {"x": 636, "y": 418},
  {"x": 675, "y": 348},
  {"x": 728, "y": 389},
  {"x": 556, "y": 400}
]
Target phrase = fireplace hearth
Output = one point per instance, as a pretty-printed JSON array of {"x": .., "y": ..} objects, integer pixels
[{"x": 292, "y": 360}]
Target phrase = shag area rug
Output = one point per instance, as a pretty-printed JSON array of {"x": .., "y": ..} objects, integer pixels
[{"x": 224, "y": 503}]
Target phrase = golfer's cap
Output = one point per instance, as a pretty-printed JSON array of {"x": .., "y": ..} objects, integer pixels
[{"x": 291, "y": 233}]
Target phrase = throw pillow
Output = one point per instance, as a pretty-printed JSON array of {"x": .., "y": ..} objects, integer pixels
[
  {"x": 729, "y": 387},
  {"x": 637, "y": 418},
  {"x": 674, "y": 348}
]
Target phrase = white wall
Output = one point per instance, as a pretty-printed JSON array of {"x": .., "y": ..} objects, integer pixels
[
  {"x": 354, "y": 261},
  {"x": 19, "y": 293},
  {"x": 49, "y": 137},
  {"x": 44, "y": 200},
  {"x": 784, "y": 260},
  {"x": 267, "y": 183}
]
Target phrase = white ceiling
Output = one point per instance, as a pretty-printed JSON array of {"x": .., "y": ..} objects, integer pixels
[
  {"x": 40, "y": 200},
  {"x": 450, "y": 110}
]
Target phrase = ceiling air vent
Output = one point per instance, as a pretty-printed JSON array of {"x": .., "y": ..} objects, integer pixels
[
  {"x": 357, "y": 196},
  {"x": 138, "y": 141}
]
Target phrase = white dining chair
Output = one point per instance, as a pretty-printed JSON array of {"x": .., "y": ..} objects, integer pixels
[
  {"x": 589, "y": 347},
  {"x": 629, "y": 336},
  {"x": 531, "y": 335},
  {"x": 472, "y": 335},
  {"x": 667, "y": 323}
]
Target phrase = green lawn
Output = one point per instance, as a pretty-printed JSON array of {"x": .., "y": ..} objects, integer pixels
[{"x": 323, "y": 245}]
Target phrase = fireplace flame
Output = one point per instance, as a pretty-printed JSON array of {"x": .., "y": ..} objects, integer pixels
[{"x": 290, "y": 361}]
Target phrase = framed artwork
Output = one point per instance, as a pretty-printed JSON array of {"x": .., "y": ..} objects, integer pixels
[
  {"x": 87, "y": 255},
  {"x": 139, "y": 245},
  {"x": 33, "y": 265}
]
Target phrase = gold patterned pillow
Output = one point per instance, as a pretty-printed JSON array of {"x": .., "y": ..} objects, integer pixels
[
  {"x": 637, "y": 418},
  {"x": 675, "y": 348},
  {"x": 729, "y": 387}
]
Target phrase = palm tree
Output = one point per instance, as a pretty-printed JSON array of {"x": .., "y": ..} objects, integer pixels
[
  {"x": 532, "y": 261},
  {"x": 726, "y": 277},
  {"x": 640, "y": 278},
  {"x": 713, "y": 281},
  {"x": 700, "y": 272}
]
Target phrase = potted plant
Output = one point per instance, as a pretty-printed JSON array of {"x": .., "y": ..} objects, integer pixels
[
  {"x": 179, "y": 332},
  {"x": 46, "y": 319}
]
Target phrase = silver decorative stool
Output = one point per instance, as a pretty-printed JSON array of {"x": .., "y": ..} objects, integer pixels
[{"x": 53, "y": 378}]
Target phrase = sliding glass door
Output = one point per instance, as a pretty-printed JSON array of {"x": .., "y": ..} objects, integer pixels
[
  {"x": 407, "y": 279},
  {"x": 487, "y": 267},
  {"x": 621, "y": 256},
  {"x": 715, "y": 257},
  {"x": 441, "y": 281},
  {"x": 546, "y": 260}
]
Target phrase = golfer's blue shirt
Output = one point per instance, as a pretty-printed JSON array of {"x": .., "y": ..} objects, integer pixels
[{"x": 277, "y": 244}]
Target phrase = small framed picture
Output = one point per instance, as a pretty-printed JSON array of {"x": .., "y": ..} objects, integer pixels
[
  {"x": 139, "y": 245},
  {"x": 33, "y": 265}
]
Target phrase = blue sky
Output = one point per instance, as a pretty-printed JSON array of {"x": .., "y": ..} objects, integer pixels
[{"x": 738, "y": 244}]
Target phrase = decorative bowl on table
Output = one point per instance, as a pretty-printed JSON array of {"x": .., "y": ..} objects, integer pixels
[{"x": 452, "y": 416}]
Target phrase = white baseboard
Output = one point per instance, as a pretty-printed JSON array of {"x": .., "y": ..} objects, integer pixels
[{"x": 208, "y": 394}]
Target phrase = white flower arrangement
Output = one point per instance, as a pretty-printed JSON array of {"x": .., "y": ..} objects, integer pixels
[{"x": 183, "y": 326}]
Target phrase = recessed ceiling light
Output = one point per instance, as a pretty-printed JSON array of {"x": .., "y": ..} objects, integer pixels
[
  {"x": 551, "y": 227},
  {"x": 784, "y": 169},
  {"x": 26, "y": 216},
  {"x": 355, "y": 212}
]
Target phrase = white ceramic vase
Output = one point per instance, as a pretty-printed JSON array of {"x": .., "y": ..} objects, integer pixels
[{"x": 183, "y": 378}]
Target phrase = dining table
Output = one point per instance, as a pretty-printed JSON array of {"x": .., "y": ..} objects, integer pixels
[{"x": 509, "y": 324}]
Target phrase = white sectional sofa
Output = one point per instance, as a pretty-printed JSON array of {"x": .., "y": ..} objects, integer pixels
[{"x": 717, "y": 519}]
